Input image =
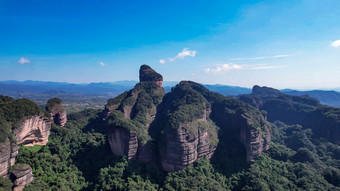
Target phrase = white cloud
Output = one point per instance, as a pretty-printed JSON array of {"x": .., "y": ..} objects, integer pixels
[
  {"x": 336, "y": 43},
  {"x": 162, "y": 61},
  {"x": 223, "y": 68},
  {"x": 23, "y": 60},
  {"x": 262, "y": 58},
  {"x": 102, "y": 63},
  {"x": 185, "y": 52},
  {"x": 263, "y": 67}
]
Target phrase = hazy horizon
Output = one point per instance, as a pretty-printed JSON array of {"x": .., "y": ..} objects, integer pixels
[
  {"x": 290, "y": 44},
  {"x": 172, "y": 83}
]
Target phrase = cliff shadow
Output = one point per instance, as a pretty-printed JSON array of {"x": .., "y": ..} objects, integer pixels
[
  {"x": 94, "y": 152},
  {"x": 91, "y": 158},
  {"x": 230, "y": 155}
]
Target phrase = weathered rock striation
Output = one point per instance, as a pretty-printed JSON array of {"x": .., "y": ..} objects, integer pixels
[
  {"x": 8, "y": 152},
  {"x": 58, "y": 113},
  {"x": 21, "y": 175},
  {"x": 243, "y": 122},
  {"x": 254, "y": 142},
  {"x": 22, "y": 122},
  {"x": 188, "y": 133},
  {"x": 33, "y": 130},
  {"x": 123, "y": 142}
]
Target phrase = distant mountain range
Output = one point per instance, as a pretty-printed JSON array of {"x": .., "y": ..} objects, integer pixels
[
  {"x": 110, "y": 89},
  {"x": 331, "y": 98}
]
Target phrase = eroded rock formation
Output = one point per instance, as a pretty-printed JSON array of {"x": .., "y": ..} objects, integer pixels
[
  {"x": 33, "y": 131},
  {"x": 179, "y": 128},
  {"x": 123, "y": 142},
  {"x": 130, "y": 114},
  {"x": 57, "y": 111},
  {"x": 147, "y": 74},
  {"x": 186, "y": 130},
  {"x": 21, "y": 175},
  {"x": 256, "y": 141},
  {"x": 8, "y": 152},
  {"x": 183, "y": 148}
]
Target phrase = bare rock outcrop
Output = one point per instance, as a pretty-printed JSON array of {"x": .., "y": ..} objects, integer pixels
[
  {"x": 57, "y": 111},
  {"x": 183, "y": 148},
  {"x": 33, "y": 130},
  {"x": 21, "y": 175},
  {"x": 123, "y": 142},
  {"x": 178, "y": 128},
  {"x": 147, "y": 74},
  {"x": 146, "y": 152},
  {"x": 239, "y": 121},
  {"x": 255, "y": 140},
  {"x": 8, "y": 152},
  {"x": 130, "y": 114},
  {"x": 188, "y": 134}
]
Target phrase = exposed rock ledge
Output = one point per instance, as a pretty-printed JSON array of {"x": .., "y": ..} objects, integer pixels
[
  {"x": 8, "y": 152},
  {"x": 57, "y": 111},
  {"x": 33, "y": 131},
  {"x": 123, "y": 142},
  {"x": 21, "y": 175},
  {"x": 184, "y": 148},
  {"x": 254, "y": 140}
]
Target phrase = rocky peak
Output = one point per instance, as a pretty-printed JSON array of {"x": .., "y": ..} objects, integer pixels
[
  {"x": 130, "y": 114},
  {"x": 265, "y": 92},
  {"x": 147, "y": 74},
  {"x": 187, "y": 132},
  {"x": 58, "y": 113},
  {"x": 179, "y": 128}
]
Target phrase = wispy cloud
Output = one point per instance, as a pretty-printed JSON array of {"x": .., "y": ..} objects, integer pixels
[
  {"x": 263, "y": 57},
  {"x": 336, "y": 43},
  {"x": 224, "y": 68},
  {"x": 185, "y": 53},
  {"x": 23, "y": 60},
  {"x": 102, "y": 63},
  {"x": 262, "y": 67}
]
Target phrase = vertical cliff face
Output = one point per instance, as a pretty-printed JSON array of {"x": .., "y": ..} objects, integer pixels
[
  {"x": 8, "y": 152},
  {"x": 239, "y": 120},
  {"x": 130, "y": 114},
  {"x": 183, "y": 148},
  {"x": 57, "y": 111},
  {"x": 255, "y": 140},
  {"x": 33, "y": 131},
  {"x": 123, "y": 142},
  {"x": 21, "y": 175},
  {"x": 179, "y": 128},
  {"x": 188, "y": 133}
]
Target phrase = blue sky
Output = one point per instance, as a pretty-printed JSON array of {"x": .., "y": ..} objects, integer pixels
[{"x": 283, "y": 44}]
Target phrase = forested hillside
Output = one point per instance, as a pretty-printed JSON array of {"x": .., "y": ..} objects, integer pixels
[{"x": 188, "y": 139}]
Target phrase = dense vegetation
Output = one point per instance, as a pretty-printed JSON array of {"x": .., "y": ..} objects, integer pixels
[
  {"x": 142, "y": 102},
  {"x": 78, "y": 156},
  {"x": 52, "y": 103},
  {"x": 13, "y": 111},
  {"x": 183, "y": 104}
]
